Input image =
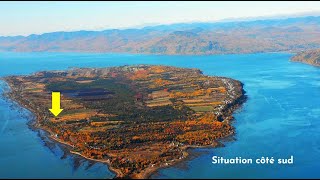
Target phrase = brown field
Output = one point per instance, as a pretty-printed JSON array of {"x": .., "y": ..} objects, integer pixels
[{"x": 74, "y": 116}]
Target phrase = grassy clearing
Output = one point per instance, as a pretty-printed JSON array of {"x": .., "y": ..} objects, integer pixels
[{"x": 202, "y": 108}]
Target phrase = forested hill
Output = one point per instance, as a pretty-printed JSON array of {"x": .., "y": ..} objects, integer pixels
[
  {"x": 310, "y": 57},
  {"x": 292, "y": 34}
]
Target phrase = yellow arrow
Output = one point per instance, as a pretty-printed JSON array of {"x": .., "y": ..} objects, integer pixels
[{"x": 56, "y": 104}]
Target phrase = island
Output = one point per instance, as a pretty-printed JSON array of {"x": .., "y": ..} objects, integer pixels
[
  {"x": 309, "y": 57},
  {"x": 134, "y": 118}
]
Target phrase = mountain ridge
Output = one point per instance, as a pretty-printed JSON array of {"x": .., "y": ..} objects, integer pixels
[{"x": 199, "y": 38}]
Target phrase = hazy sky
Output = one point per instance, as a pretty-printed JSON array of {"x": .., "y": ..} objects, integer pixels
[{"x": 24, "y": 18}]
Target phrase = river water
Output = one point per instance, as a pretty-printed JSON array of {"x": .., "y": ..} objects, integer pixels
[{"x": 281, "y": 118}]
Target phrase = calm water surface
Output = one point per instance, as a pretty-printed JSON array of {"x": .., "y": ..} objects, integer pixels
[{"x": 281, "y": 118}]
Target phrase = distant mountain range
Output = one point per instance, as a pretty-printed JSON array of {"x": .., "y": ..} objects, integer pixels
[{"x": 271, "y": 35}]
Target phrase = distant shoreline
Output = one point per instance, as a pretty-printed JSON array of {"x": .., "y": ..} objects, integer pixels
[{"x": 146, "y": 54}]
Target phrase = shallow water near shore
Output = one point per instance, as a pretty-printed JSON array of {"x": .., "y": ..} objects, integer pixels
[{"x": 280, "y": 118}]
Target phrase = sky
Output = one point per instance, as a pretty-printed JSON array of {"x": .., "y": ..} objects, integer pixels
[{"x": 25, "y": 18}]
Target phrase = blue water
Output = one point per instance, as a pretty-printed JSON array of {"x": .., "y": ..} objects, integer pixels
[{"x": 280, "y": 118}]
